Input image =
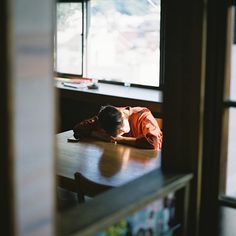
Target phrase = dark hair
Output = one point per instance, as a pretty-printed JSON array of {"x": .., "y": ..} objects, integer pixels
[{"x": 110, "y": 119}]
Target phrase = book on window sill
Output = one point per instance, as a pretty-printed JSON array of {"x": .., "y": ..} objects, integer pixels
[
  {"x": 75, "y": 85},
  {"x": 72, "y": 80}
]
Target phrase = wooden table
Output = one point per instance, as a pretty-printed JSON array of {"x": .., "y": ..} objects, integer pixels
[{"x": 100, "y": 164}]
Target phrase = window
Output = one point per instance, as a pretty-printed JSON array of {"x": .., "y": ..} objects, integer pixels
[
  {"x": 118, "y": 41},
  {"x": 69, "y": 38}
]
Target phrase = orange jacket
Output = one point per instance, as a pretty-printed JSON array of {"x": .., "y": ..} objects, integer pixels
[{"x": 143, "y": 127}]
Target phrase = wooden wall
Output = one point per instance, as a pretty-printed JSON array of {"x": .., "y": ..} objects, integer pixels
[{"x": 74, "y": 107}]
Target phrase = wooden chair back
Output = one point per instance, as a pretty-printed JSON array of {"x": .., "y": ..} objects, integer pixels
[{"x": 160, "y": 122}]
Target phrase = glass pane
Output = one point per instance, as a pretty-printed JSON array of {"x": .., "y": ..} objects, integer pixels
[
  {"x": 69, "y": 38},
  {"x": 233, "y": 64},
  {"x": 124, "y": 40},
  {"x": 231, "y": 164}
]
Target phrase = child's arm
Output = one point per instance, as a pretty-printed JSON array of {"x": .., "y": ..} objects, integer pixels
[
  {"x": 147, "y": 142},
  {"x": 124, "y": 140},
  {"x": 85, "y": 127}
]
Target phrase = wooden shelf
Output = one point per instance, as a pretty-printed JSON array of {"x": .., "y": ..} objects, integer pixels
[{"x": 109, "y": 207}]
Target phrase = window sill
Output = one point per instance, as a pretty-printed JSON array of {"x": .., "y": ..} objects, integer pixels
[{"x": 116, "y": 95}]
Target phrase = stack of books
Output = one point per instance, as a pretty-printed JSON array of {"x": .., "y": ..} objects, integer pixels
[{"x": 74, "y": 82}]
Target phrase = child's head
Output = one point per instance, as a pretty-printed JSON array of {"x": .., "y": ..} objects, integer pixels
[{"x": 112, "y": 120}]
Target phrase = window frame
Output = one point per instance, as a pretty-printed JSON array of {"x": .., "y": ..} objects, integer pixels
[{"x": 215, "y": 140}]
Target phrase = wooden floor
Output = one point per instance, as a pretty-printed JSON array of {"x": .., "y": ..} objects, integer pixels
[{"x": 227, "y": 226}]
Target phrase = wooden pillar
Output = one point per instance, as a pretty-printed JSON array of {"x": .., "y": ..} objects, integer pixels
[
  {"x": 185, "y": 39},
  {"x": 27, "y": 123}
]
